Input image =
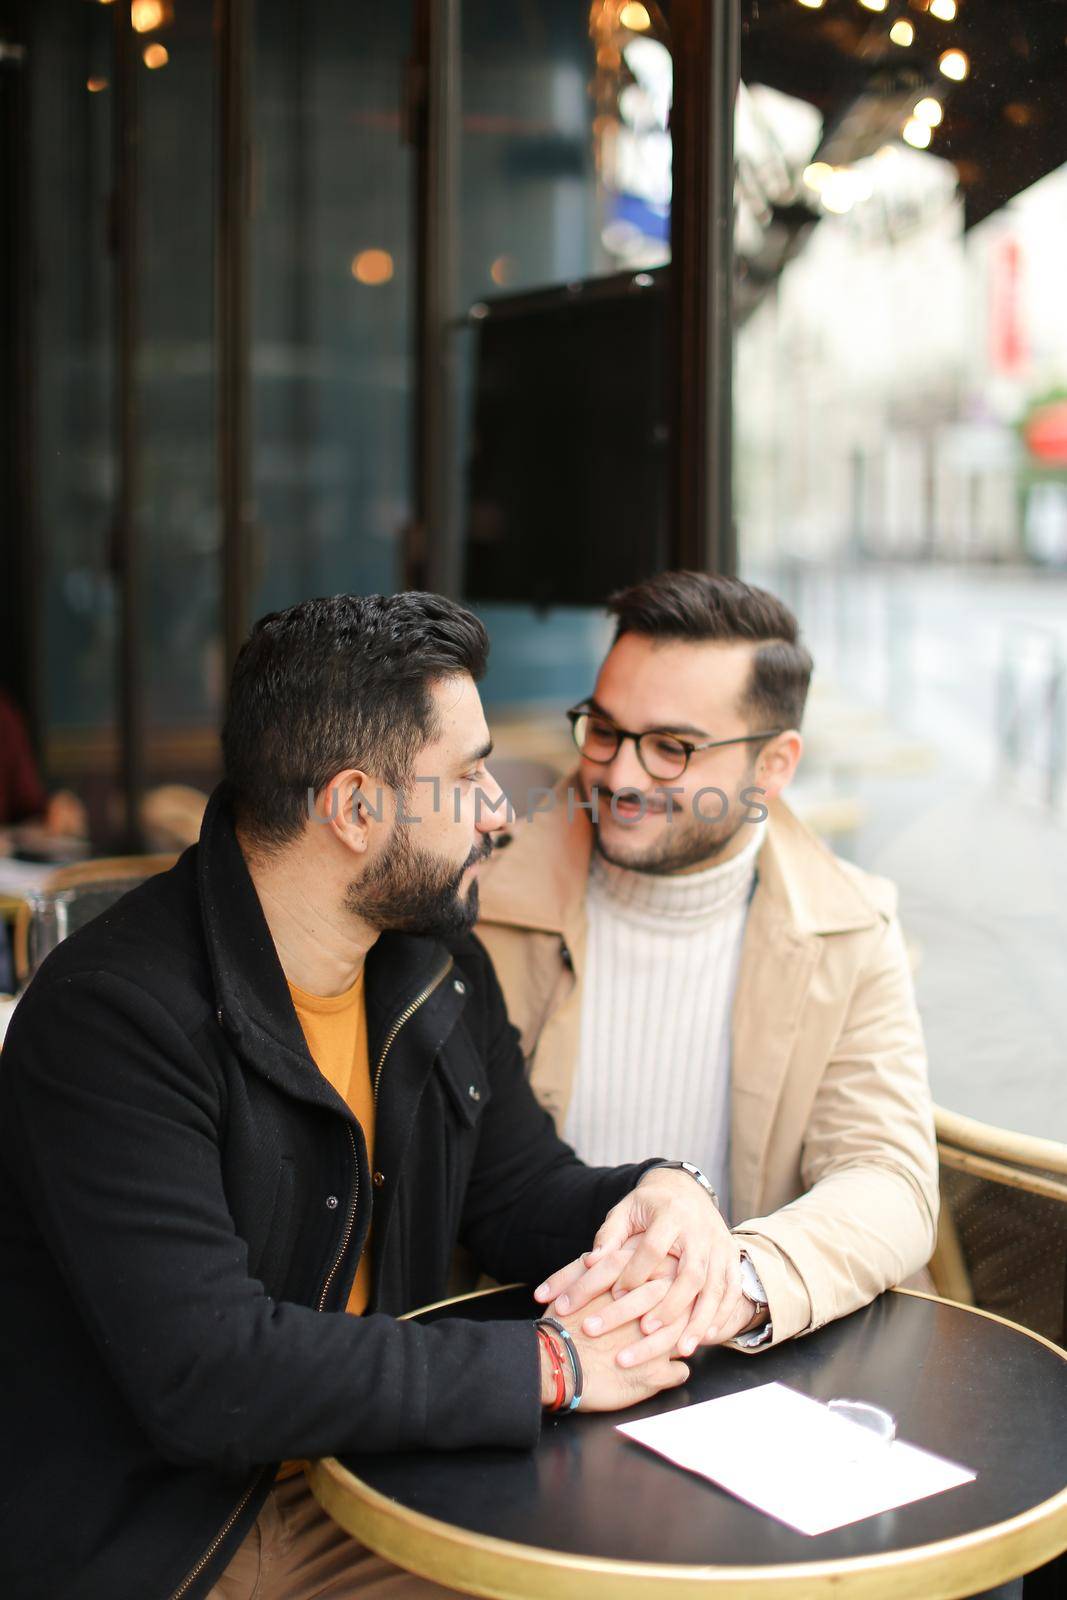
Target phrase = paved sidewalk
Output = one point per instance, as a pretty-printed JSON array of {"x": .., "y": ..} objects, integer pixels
[{"x": 983, "y": 887}]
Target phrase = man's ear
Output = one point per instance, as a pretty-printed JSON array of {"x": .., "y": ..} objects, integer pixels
[
  {"x": 778, "y": 761},
  {"x": 349, "y": 807}
]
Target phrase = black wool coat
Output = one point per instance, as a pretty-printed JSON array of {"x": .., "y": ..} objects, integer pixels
[{"x": 183, "y": 1203}]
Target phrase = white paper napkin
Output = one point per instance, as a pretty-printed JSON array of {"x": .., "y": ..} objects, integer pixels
[{"x": 793, "y": 1459}]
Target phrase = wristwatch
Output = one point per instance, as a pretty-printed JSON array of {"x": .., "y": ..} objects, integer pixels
[
  {"x": 694, "y": 1172},
  {"x": 751, "y": 1287}
]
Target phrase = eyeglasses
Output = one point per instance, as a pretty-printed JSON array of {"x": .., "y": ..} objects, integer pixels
[{"x": 663, "y": 755}]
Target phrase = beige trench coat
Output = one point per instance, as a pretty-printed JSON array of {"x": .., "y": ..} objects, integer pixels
[{"x": 833, "y": 1160}]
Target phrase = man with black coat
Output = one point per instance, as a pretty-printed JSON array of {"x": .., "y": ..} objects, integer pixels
[{"x": 245, "y": 1117}]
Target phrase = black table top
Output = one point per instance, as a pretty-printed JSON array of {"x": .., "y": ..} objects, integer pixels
[{"x": 960, "y": 1384}]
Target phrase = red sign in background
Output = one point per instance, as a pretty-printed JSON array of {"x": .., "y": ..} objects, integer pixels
[{"x": 1045, "y": 433}]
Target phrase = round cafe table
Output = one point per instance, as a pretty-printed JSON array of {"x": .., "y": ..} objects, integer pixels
[{"x": 589, "y": 1513}]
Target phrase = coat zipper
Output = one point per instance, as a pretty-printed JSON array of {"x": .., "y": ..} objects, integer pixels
[
  {"x": 404, "y": 1016},
  {"x": 195, "y": 1572},
  {"x": 350, "y": 1223}
]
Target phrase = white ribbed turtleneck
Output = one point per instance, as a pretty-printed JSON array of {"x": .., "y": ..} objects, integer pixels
[{"x": 660, "y": 970}]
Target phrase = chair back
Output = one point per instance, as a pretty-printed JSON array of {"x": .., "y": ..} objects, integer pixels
[
  {"x": 1002, "y": 1236},
  {"x": 71, "y": 897}
]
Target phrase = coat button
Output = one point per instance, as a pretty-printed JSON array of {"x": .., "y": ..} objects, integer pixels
[
  {"x": 332, "y": 1202},
  {"x": 378, "y": 1180},
  {"x": 474, "y": 1092},
  {"x": 459, "y": 986},
  {"x": 566, "y": 957}
]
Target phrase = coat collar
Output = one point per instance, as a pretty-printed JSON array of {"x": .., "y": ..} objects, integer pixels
[
  {"x": 251, "y": 992},
  {"x": 538, "y": 881}
]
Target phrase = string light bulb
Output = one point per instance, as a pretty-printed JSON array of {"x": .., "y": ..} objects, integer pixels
[
  {"x": 813, "y": 5},
  {"x": 147, "y": 15},
  {"x": 930, "y": 111},
  {"x": 874, "y": 5},
  {"x": 817, "y": 175},
  {"x": 955, "y": 64},
  {"x": 902, "y": 33},
  {"x": 943, "y": 10},
  {"x": 635, "y": 17},
  {"x": 916, "y": 133},
  {"x": 155, "y": 56}
]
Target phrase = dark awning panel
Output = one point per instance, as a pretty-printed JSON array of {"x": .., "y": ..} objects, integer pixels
[{"x": 1005, "y": 124}]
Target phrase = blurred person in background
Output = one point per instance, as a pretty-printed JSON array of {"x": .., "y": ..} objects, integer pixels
[{"x": 26, "y": 808}]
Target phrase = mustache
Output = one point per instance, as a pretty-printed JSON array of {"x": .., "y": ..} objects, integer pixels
[
  {"x": 652, "y": 805},
  {"x": 481, "y": 852}
]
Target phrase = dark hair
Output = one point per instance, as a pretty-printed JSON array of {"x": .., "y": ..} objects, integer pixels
[
  {"x": 699, "y": 607},
  {"x": 333, "y": 683}
]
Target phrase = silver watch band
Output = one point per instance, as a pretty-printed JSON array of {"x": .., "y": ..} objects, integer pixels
[{"x": 694, "y": 1172}]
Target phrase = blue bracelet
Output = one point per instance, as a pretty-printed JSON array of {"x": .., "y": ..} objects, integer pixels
[{"x": 575, "y": 1360}]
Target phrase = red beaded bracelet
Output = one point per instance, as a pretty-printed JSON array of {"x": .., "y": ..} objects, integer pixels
[{"x": 555, "y": 1357}]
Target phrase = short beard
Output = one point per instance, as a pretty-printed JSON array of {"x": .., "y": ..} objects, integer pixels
[
  {"x": 688, "y": 841},
  {"x": 410, "y": 891}
]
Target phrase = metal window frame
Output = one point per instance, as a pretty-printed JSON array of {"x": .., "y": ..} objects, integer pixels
[
  {"x": 707, "y": 35},
  {"x": 233, "y": 293},
  {"x": 20, "y": 643},
  {"x": 126, "y": 547}
]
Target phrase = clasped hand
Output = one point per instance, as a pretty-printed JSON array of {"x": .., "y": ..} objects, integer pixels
[{"x": 665, "y": 1263}]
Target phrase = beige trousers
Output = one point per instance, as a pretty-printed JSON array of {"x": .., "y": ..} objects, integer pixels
[{"x": 295, "y": 1552}]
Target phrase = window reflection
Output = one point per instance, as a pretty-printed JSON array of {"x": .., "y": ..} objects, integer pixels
[
  {"x": 331, "y": 299},
  {"x": 564, "y": 185},
  {"x": 69, "y": 151}
]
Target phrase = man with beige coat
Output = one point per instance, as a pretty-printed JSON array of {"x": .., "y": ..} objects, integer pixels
[{"x": 685, "y": 961}]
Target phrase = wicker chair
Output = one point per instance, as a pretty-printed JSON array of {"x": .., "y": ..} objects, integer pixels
[
  {"x": 1002, "y": 1238},
  {"x": 73, "y": 896}
]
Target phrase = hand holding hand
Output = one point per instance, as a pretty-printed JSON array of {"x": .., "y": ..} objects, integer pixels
[
  {"x": 611, "y": 1384},
  {"x": 671, "y": 1231}
]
